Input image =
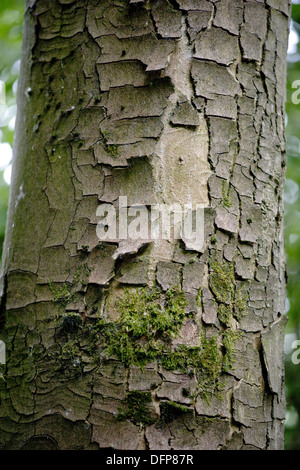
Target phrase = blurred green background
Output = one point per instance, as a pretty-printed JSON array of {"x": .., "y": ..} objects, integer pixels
[
  {"x": 292, "y": 233},
  {"x": 11, "y": 17}
]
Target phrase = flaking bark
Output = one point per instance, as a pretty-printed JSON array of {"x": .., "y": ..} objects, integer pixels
[{"x": 163, "y": 101}]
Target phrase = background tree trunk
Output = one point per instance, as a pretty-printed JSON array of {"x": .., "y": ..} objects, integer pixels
[{"x": 161, "y": 101}]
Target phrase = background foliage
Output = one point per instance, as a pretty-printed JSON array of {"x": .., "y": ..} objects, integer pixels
[
  {"x": 11, "y": 17},
  {"x": 292, "y": 234}
]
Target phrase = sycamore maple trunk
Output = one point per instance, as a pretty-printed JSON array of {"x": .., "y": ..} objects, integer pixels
[{"x": 162, "y": 101}]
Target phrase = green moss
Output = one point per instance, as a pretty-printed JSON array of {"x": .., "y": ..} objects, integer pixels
[
  {"x": 67, "y": 361},
  {"x": 67, "y": 292},
  {"x": 230, "y": 298},
  {"x": 69, "y": 322},
  {"x": 224, "y": 314},
  {"x": 203, "y": 362},
  {"x": 111, "y": 149},
  {"x": 137, "y": 409},
  {"x": 63, "y": 294},
  {"x": 226, "y": 194},
  {"x": 71, "y": 331},
  {"x": 204, "y": 422},
  {"x": 81, "y": 276},
  {"x": 148, "y": 321},
  {"x": 169, "y": 410},
  {"x": 240, "y": 304},
  {"x": 229, "y": 338},
  {"x": 199, "y": 297},
  {"x": 222, "y": 281},
  {"x": 143, "y": 333},
  {"x": 232, "y": 304},
  {"x": 79, "y": 345},
  {"x": 70, "y": 350}
]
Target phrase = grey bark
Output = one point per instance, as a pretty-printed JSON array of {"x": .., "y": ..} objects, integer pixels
[{"x": 161, "y": 101}]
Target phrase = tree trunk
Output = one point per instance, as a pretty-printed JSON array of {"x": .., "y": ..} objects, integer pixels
[{"x": 147, "y": 344}]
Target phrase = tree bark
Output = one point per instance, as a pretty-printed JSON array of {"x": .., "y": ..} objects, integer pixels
[{"x": 156, "y": 345}]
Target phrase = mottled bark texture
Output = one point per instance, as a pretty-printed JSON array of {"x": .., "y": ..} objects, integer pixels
[{"x": 162, "y": 101}]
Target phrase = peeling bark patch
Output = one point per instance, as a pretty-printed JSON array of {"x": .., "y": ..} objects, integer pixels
[
  {"x": 211, "y": 79},
  {"x": 167, "y": 19},
  {"x": 272, "y": 342},
  {"x": 216, "y": 45},
  {"x": 136, "y": 182},
  {"x": 185, "y": 115},
  {"x": 183, "y": 152}
]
